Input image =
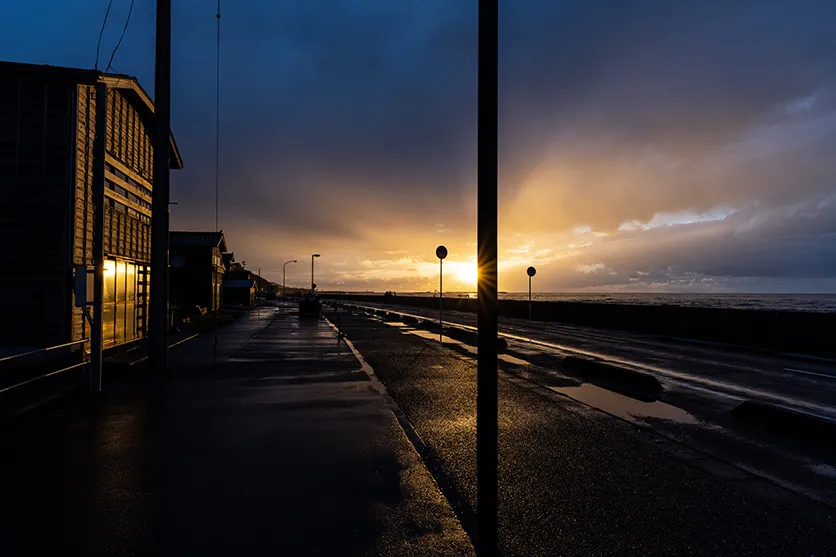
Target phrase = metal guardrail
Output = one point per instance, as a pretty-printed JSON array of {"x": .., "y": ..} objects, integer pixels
[
  {"x": 47, "y": 349},
  {"x": 17, "y": 357}
]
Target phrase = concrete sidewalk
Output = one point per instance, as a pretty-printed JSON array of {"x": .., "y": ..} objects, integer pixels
[{"x": 283, "y": 448}]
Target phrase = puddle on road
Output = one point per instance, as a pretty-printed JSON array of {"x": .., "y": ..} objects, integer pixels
[
  {"x": 429, "y": 335},
  {"x": 421, "y": 333},
  {"x": 598, "y": 397},
  {"x": 624, "y": 406},
  {"x": 513, "y": 360}
]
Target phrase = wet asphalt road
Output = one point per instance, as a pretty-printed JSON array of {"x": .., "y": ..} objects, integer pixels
[
  {"x": 808, "y": 385},
  {"x": 576, "y": 481},
  {"x": 702, "y": 387}
]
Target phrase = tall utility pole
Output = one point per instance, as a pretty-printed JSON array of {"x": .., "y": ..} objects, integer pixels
[
  {"x": 486, "y": 380},
  {"x": 159, "y": 321},
  {"x": 96, "y": 330}
]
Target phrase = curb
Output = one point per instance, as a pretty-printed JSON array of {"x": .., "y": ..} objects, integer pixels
[{"x": 465, "y": 514}]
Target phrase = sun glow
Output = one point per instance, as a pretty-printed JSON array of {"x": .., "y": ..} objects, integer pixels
[{"x": 466, "y": 273}]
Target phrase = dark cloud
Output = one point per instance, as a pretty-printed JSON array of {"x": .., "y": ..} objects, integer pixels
[
  {"x": 793, "y": 242},
  {"x": 353, "y": 123}
]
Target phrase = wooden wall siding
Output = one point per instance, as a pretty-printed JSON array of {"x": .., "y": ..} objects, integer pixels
[
  {"x": 85, "y": 131},
  {"x": 124, "y": 235},
  {"x": 35, "y": 146},
  {"x": 83, "y": 230},
  {"x": 128, "y": 139}
]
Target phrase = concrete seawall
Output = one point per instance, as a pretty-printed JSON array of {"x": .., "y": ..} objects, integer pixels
[{"x": 776, "y": 331}]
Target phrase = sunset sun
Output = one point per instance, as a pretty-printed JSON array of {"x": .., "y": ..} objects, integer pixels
[{"x": 467, "y": 273}]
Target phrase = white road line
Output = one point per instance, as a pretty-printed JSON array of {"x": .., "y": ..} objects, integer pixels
[{"x": 810, "y": 373}]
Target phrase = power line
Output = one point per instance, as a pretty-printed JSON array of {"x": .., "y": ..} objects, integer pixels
[
  {"x": 101, "y": 32},
  {"x": 217, "y": 118},
  {"x": 122, "y": 36}
]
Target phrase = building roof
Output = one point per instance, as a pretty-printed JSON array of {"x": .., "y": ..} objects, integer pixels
[
  {"x": 127, "y": 84},
  {"x": 239, "y": 283},
  {"x": 198, "y": 239}
]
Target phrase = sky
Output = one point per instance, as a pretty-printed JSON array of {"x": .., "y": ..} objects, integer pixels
[{"x": 645, "y": 145}]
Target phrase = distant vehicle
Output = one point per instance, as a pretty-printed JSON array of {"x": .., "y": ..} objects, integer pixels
[{"x": 309, "y": 305}]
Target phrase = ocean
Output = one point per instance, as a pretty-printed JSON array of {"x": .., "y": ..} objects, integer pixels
[{"x": 820, "y": 303}]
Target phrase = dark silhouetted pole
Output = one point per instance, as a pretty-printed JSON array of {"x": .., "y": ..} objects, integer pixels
[
  {"x": 531, "y": 271},
  {"x": 313, "y": 283},
  {"x": 284, "y": 269},
  {"x": 96, "y": 331},
  {"x": 158, "y": 322},
  {"x": 486, "y": 397},
  {"x": 441, "y": 253}
]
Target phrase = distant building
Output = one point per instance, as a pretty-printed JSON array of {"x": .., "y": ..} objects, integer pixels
[
  {"x": 228, "y": 259},
  {"x": 197, "y": 269},
  {"x": 239, "y": 287},
  {"x": 47, "y": 128}
]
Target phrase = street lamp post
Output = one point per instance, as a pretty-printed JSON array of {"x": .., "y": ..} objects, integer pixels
[
  {"x": 284, "y": 269},
  {"x": 313, "y": 284},
  {"x": 531, "y": 272},
  {"x": 441, "y": 253}
]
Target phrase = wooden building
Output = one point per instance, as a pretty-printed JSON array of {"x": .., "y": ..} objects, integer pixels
[
  {"x": 47, "y": 128},
  {"x": 239, "y": 286},
  {"x": 239, "y": 291},
  {"x": 197, "y": 268}
]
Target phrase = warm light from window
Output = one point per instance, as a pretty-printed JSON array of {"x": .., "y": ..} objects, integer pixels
[{"x": 109, "y": 268}]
